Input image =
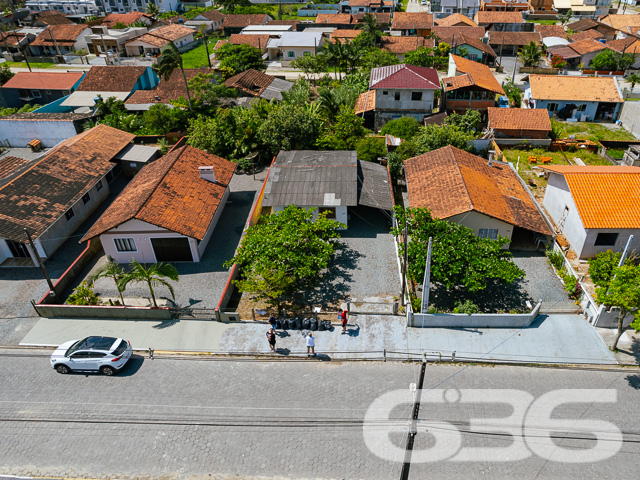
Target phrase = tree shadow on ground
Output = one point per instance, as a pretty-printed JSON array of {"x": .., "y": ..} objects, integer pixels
[
  {"x": 497, "y": 297},
  {"x": 634, "y": 381},
  {"x": 634, "y": 350},
  {"x": 334, "y": 283}
]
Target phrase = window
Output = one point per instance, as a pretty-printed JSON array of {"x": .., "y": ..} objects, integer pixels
[
  {"x": 125, "y": 244},
  {"x": 396, "y": 96},
  {"x": 291, "y": 54},
  {"x": 36, "y": 94},
  {"x": 606, "y": 239},
  {"x": 552, "y": 107},
  {"x": 99, "y": 185},
  {"x": 385, "y": 92},
  {"x": 416, "y": 96},
  {"x": 491, "y": 233},
  {"x": 69, "y": 214},
  {"x": 306, "y": 54},
  {"x": 581, "y": 108},
  {"x": 473, "y": 57},
  {"x": 331, "y": 211},
  {"x": 86, "y": 198},
  {"x": 133, "y": 164}
]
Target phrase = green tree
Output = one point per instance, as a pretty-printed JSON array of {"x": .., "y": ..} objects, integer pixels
[
  {"x": 83, "y": 294},
  {"x": 601, "y": 267},
  {"x": 370, "y": 149},
  {"x": 112, "y": 270},
  {"x": 333, "y": 99},
  {"x": 404, "y": 127},
  {"x": 394, "y": 161},
  {"x": 155, "y": 275},
  {"x": 613, "y": 61},
  {"x": 153, "y": 10},
  {"x": 344, "y": 133},
  {"x": 371, "y": 28},
  {"x": 375, "y": 58},
  {"x": 421, "y": 57},
  {"x": 622, "y": 292},
  {"x": 169, "y": 61},
  {"x": 468, "y": 122},
  {"x": 158, "y": 118},
  {"x": 336, "y": 54},
  {"x": 311, "y": 65},
  {"x": 207, "y": 90},
  {"x": 5, "y": 74},
  {"x": 632, "y": 79},
  {"x": 565, "y": 17},
  {"x": 290, "y": 127},
  {"x": 285, "y": 252},
  {"x": 530, "y": 55},
  {"x": 236, "y": 59},
  {"x": 299, "y": 94},
  {"x": 230, "y": 5},
  {"x": 433, "y": 137},
  {"x": 459, "y": 257},
  {"x": 513, "y": 93}
]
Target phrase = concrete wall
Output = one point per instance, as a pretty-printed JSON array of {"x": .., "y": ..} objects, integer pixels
[
  {"x": 18, "y": 133},
  {"x": 476, "y": 320},
  {"x": 558, "y": 196},
  {"x": 141, "y": 232},
  {"x": 508, "y": 142},
  {"x": 341, "y": 212},
  {"x": 476, "y": 220},
  {"x": 589, "y": 250},
  {"x": 103, "y": 311},
  {"x": 54, "y": 236},
  {"x": 630, "y": 117},
  {"x": 202, "y": 245},
  {"x": 590, "y": 110},
  {"x": 388, "y": 101}
]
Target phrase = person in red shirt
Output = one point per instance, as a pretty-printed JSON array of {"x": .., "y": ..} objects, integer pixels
[{"x": 343, "y": 317}]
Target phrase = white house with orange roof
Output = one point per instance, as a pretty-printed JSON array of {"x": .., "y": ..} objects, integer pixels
[{"x": 596, "y": 208}]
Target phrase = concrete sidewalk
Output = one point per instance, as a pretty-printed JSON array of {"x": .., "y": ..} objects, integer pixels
[{"x": 550, "y": 339}]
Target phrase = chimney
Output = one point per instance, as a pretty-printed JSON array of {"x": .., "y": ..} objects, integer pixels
[{"x": 207, "y": 174}]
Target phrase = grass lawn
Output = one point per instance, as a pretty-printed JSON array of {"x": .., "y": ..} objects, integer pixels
[
  {"x": 543, "y": 22},
  {"x": 33, "y": 65},
  {"x": 595, "y": 131},
  {"x": 197, "y": 57},
  {"x": 528, "y": 171}
]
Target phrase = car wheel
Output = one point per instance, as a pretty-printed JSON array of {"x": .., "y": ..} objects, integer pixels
[
  {"x": 63, "y": 369},
  {"x": 108, "y": 371}
]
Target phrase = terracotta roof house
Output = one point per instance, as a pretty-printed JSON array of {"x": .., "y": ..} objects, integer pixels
[
  {"x": 211, "y": 19},
  {"x": 587, "y": 34},
  {"x": 505, "y": 21},
  {"x": 409, "y": 23},
  {"x": 110, "y": 81},
  {"x": 402, "y": 90},
  {"x": 338, "y": 20},
  {"x": 477, "y": 50},
  {"x": 362, "y": 7},
  {"x": 152, "y": 42},
  {"x": 365, "y": 107},
  {"x": 401, "y": 45},
  {"x": 518, "y": 123},
  {"x": 510, "y": 43},
  {"x": 126, "y": 19},
  {"x": 585, "y": 24},
  {"x": 630, "y": 44},
  {"x": 621, "y": 22},
  {"x": 18, "y": 129},
  {"x": 473, "y": 32},
  {"x": 60, "y": 40},
  {"x": 345, "y": 34},
  {"x": 502, "y": 6},
  {"x": 53, "y": 195},
  {"x": 578, "y": 52},
  {"x": 488, "y": 197},
  {"x": 169, "y": 211},
  {"x": 384, "y": 19},
  {"x": 166, "y": 91},
  {"x": 546, "y": 31},
  {"x": 332, "y": 181},
  {"x": 583, "y": 98},
  {"x": 456, "y": 20},
  {"x": 45, "y": 18},
  {"x": 235, "y": 23},
  {"x": 469, "y": 86},
  {"x": 252, "y": 83},
  {"x": 14, "y": 41},
  {"x": 38, "y": 88},
  {"x": 595, "y": 208},
  {"x": 258, "y": 41}
]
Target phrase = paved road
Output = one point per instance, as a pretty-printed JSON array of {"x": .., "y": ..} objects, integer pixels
[
  {"x": 188, "y": 418},
  {"x": 415, "y": 6}
]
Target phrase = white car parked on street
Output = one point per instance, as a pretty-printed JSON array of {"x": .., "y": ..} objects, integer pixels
[{"x": 99, "y": 354}]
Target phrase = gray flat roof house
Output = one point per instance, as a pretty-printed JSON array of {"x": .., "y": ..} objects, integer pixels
[{"x": 331, "y": 181}]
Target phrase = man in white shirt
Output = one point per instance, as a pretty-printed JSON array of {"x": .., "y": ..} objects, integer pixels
[{"x": 311, "y": 344}]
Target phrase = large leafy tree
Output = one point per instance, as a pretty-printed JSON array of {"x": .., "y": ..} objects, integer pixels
[
  {"x": 285, "y": 252},
  {"x": 421, "y": 57},
  {"x": 337, "y": 54},
  {"x": 403, "y": 127},
  {"x": 530, "y": 55},
  {"x": 374, "y": 58},
  {"x": 5, "y": 74},
  {"x": 633, "y": 79},
  {"x": 112, "y": 270},
  {"x": 343, "y": 133},
  {"x": 433, "y": 137},
  {"x": 610, "y": 60},
  {"x": 459, "y": 258},
  {"x": 169, "y": 61},
  {"x": 311, "y": 65},
  {"x": 236, "y": 59},
  {"x": 290, "y": 127},
  {"x": 153, "y": 10},
  {"x": 601, "y": 267},
  {"x": 371, "y": 28},
  {"x": 623, "y": 291},
  {"x": 514, "y": 94},
  {"x": 230, "y": 5},
  {"x": 153, "y": 276}
]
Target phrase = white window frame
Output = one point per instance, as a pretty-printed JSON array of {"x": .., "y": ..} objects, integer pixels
[
  {"x": 490, "y": 233},
  {"x": 124, "y": 245}
]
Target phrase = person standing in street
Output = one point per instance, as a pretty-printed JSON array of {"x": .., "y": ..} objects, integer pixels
[
  {"x": 273, "y": 323},
  {"x": 311, "y": 344},
  {"x": 343, "y": 317},
  {"x": 271, "y": 338}
]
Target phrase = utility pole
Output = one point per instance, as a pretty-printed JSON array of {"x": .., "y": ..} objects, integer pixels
[
  {"x": 35, "y": 252},
  {"x": 54, "y": 40},
  {"x": 413, "y": 429}
]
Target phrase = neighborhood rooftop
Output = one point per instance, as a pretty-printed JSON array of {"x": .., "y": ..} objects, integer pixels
[
  {"x": 560, "y": 87},
  {"x": 44, "y": 80}
]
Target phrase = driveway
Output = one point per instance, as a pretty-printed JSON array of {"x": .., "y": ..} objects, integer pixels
[
  {"x": 201, "y": 284},
  {"x": 415, "y": 6}
]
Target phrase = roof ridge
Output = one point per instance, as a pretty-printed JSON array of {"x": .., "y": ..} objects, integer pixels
[{"x": 452, "y": 150}]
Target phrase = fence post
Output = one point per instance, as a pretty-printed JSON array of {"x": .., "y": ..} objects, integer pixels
[
  {"x": 253, "y": 313},
  {"x": 385, "y": 354}
]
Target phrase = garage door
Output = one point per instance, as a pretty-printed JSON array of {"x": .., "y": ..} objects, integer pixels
[{"x": 172, "y": 249}]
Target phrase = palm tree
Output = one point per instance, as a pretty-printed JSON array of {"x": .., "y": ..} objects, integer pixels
[
  {"x": 353, "y": 55},
  {"x": 370, "y": 27},
  {"x": 111, "y": 269},
  {"x": 202, "y": 31},
  {"x": 530, "y": 55},
  {"x": 153, "y": 276},
  {"x": 328, "y": 102},
  {"x": 168, "y": 62},
  {"x": 153, "y": 10},
  {"x": 336, "y": 54},
  {"x": 633, "y": 79}
]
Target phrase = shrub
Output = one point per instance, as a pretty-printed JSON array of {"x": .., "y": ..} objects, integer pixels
[
  {"x": 83, "y": 294},
  {"x": 601, "y": 268},
  {"x": 467, "y": 307},
  {"x": 370, "y": 148},
  {"x": 555, "y": 258},
  {"x": 404, "y": 127}
]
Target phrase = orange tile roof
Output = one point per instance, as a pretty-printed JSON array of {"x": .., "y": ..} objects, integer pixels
[
  {"x": 345, "y": 33},
  {"x": 412, "y": 21},
  {"x": 256, "y": 41},
  {"x": 168, "y": 90},
  {"x": 626, "y": 45},
  {"x": 234, "y": 20},
  {"x": 169, "y": 193},
  {"x": 592, "y": 34},
  {"x": 9, "y": 164},
  {"x": 519, "y": 119},
  {"x": 250, "y": 81},
  {"x": 52, "y": 17},
  {"x": 402, "y": 45},
  {"x": 111, "y": 78},
  {"x": 450, "y": 181},
  {"x": 514, "y": 38},
  {"x": 366, "y": 102},
  {"x": 44, "y": 80},
  {"x": 335, "y": 18},
  {"x": 546, "y": 31},
  {"x": 11, "y": 37},
  {"x": 61, "y": 34},
  {"x": 124, "y": 18},
  {"x": 620, "y": 22},
  {"x": 479, "y": 74},
  {"x": 455, "y": 20},
  {"x": 605, "y": 196},
  {"x": 475, "y": 32},
  {"x": 484, "y": 18},
  {"x": 585, "y": 89},
  {"x": 587, "y": 45}
]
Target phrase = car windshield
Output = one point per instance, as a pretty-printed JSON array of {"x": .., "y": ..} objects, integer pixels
[
  {"x": 74, "y": 347},
  {"x": 100, "y": 343},
  {"x": 120, "y": 349}
]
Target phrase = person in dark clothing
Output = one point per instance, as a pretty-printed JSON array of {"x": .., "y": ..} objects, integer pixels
[
  {"x": 272, "y": 322},
  {"x": 271, "y": 338}
]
